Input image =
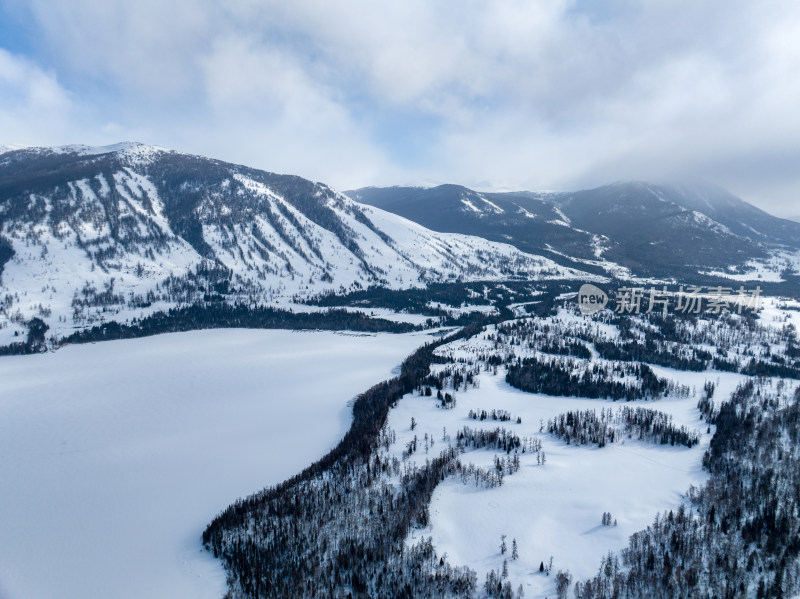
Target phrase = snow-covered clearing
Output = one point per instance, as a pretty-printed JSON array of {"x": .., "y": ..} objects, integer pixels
[
  {"x": 464, "y": 308},
  {"x": 114, "y": 456},
  {"x": 553, "y": 509},
  {"x": 778, "y": 312},
  {"x": 768, "y": 270}
]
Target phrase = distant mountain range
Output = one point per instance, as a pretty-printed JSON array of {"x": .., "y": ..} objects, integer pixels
[
  {"x": 91, "y": 235},
  {"x": 665, "y": 231},
  {"x": 95, "y": 234}
]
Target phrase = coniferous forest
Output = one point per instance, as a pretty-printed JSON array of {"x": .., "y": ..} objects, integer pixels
[
  {"x": 341, "y": 527},
  {"x": 740, "y": 537},
  {"x": 337, "y": 529}
]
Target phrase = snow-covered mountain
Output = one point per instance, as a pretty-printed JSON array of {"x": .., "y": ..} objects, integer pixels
[
  {"x": 666, "y": 231},
  {"x": 532, "y": 222},
  {"x": 96, "y": 234},
  {"x": 663, "y": 229}
]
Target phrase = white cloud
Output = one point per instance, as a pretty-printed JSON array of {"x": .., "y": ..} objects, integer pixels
[
  {"x": 33, "y": 106},
  {"x": 147, "y": 48},
  {"x": 525, "y": 94}
]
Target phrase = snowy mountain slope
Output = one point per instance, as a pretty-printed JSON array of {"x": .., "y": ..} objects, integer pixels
[
  {"x": 92, "y": 234},
  {"x": 668, "y": 231},
  {"x": 10, "y": 148},
  {"x": 678, "y": 228},
  {"x": 733, "y": 213},
  {"x": 529, "y": 221}
]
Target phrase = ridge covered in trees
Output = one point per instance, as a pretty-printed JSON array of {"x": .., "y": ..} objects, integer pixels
[{"x": 327, "y": 531}]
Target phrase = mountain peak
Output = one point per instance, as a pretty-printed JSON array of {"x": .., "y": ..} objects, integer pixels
[
  {"x": 94, "y": 150},
  {"x": 11, "y": 148},
  {"x": 131, "y": 148}
]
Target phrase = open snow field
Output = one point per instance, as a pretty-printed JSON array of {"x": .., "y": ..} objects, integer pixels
[
  {"x": 114, "y": 456},
  {"x": 553, "y": 509}
]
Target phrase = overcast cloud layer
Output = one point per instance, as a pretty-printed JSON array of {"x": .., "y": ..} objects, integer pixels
[{"x": 545, "y": 94}]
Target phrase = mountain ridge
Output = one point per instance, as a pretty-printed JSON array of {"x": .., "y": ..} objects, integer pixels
[
  {"x": 661, "y": 230},
  {"x": 89, "y": 235}
]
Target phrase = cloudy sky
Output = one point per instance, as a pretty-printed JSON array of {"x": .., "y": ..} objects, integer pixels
[{"x": 535, "y": 94}]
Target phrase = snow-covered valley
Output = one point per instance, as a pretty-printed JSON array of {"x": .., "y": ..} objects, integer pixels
[
  {"x": 552, "y": 510},
  {"x": 510, "y": 447},
  {"x": 114, "y": 456}
]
